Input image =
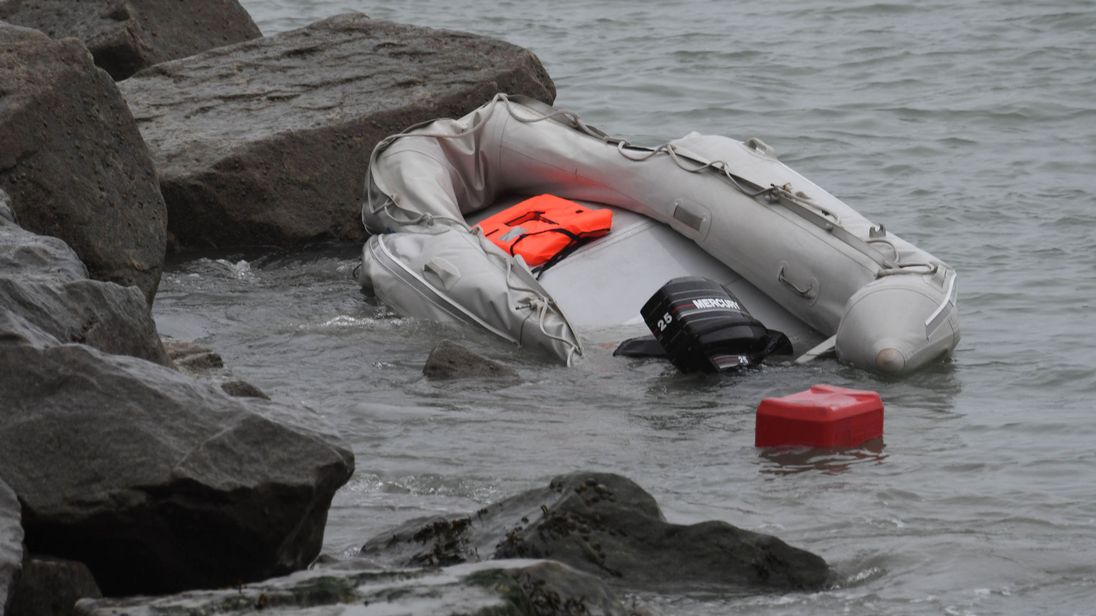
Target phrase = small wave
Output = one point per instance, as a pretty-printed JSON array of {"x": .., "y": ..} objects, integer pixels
[
  {"x": 348, "y": 321},
  {"x": 240, "y": 269}
]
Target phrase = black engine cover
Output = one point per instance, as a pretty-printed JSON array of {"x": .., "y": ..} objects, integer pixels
[{"x": 702, "y": 326}]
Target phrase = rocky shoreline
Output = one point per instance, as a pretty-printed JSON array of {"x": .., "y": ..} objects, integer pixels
[{"x": 137, "y": 470}]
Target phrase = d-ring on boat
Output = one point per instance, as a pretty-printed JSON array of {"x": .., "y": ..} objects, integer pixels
[{"x": 803, "y": 261}]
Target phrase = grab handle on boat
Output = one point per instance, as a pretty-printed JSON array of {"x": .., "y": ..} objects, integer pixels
[
  {"x": 446, "y": 272},
  {"x": 810, "y": 292}
]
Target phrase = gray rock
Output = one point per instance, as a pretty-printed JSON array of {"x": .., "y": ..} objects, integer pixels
[
  {"x": 200, "y": 362},
  {"x": 449, "y": 360},
  {"x": 6, "y": 213},
  {"x": 11, "y": 545},
  {"x": 606, "y": 525},
  {"x": 203, "y": 362},
  {"x": 181, "y": 349},
  {"x": 44, "y": 286},
  {"x": 155, "y": 481},
  {"x": 267, "y": 141},
  {"x": 126, "y": 36},
  {"x": 73, "y": 162},
  {"x": 51, "y": 586},
  {"x": 500, "y": 588},
  {"x": 242, "y": 389}
]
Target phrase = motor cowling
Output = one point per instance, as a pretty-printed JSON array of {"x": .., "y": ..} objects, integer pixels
[{"x": 702, "y": 326}]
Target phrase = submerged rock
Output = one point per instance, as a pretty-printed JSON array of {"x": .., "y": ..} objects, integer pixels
[
  {"x": 51, "y": 586},
  {"x": 191, "y": 357},
  {"x": 267, "y": 141},
  {"x": 155, "y": 481},
  {"x": 500, "y": 588},
  {"x": 73, "y": 162},
  {"x": 11, "y": 545},
  {"x": 204, "y": 363},
  {"x": 126, "y": 36},
  {"x": 44, "y": 286},
  {"x": 242, "y": 389},
  {"x": 449, "y": 360},
  {"x": 608, "y": 526}
]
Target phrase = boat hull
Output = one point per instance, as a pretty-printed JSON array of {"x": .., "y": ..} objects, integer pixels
[{"x": 889, "y": 305}]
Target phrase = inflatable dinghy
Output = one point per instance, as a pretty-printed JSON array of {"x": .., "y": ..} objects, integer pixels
[{"x": 801, "y": 260}]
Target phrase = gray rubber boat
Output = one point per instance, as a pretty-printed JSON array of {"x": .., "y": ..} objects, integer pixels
[{"x": 802, "y": 261}]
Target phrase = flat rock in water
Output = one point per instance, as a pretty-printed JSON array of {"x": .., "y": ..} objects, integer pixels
[
  {"x": 242, "y": 389},
  {"x": 73, "y": 162},
  {"x": 125, "y": 36},
  {"x": 449, "y": 360},
  {"x": 157, "y": 482},
  {"x": 499, "y": 588},
  {"x": 606, "y": 525},
  {"x": 11, "y": 545},
  {"x": 52, "y": 586},
  {"x": 44, "y": 287},
  {"x": 267, "y": 141}
]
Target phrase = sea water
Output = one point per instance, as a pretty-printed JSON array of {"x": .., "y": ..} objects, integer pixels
[{"x": 967, "y": 127}]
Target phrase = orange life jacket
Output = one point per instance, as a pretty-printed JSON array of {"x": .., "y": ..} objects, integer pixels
[{"x": 545, "y": 227}]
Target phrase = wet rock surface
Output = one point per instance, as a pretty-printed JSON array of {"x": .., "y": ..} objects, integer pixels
[
  {"x": 204, "y": 363},
  {"x": 266, "y": 142},
  {"x": 11, "y": 545},
  {"x": 43, "y": 285},
  {"x": 449, "y": 360},
  {"x": 155, "y": 481},
  {"x": 500, "y": 588},
  {"x": 52, "y": 586},
  {"x": 126, "y": 36},
  {"x": 73, "y": 162},
  {"x": 608, "y": 526}
]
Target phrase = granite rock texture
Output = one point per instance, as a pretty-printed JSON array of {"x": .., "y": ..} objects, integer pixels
[
  {"x": 158, "y": 482},
  {"x": 500, "y": 588},
  {"x": 73, "y": 162},
  {"x": 125, "y": 36},
  {"x": 44, "y": 287},
  {"x": 608, "y": 526},
  {"x": 266, "y": 142}
]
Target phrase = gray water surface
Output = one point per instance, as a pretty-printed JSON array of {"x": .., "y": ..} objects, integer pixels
[{"x": 968, "y": 128}]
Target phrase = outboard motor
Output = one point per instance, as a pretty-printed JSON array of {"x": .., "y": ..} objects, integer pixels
[{"x": 701, "y": 326}]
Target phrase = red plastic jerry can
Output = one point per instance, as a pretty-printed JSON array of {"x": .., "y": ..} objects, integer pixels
[{"x": 822, "y": 416}]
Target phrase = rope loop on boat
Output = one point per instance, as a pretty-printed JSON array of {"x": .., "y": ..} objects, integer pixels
[{"x": 923, "y": 269}]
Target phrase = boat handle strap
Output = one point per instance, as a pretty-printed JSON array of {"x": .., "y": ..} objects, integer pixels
[{"x": 808, "y": 293}]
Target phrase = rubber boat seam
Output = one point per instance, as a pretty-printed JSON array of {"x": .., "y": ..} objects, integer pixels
[
  {"x": 386, "y": 262},
  {"x": 446, "y": 307}
]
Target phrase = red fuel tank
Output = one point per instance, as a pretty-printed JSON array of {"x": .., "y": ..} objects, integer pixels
[{"x": 822, "y": 416}]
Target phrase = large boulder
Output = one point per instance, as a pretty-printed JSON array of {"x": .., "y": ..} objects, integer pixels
[
  {"x": 499, "y": 588},
  {"x": 11, "y": 545},
  {"x": 608, "y": 526},
  {"x": 44, "y": 286},
  {"x": 73, "y": 162},
  {"x": 267, "y": 141},
  {"x": 155, "y": 481},
  {"x": 125, "y": 36}
]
